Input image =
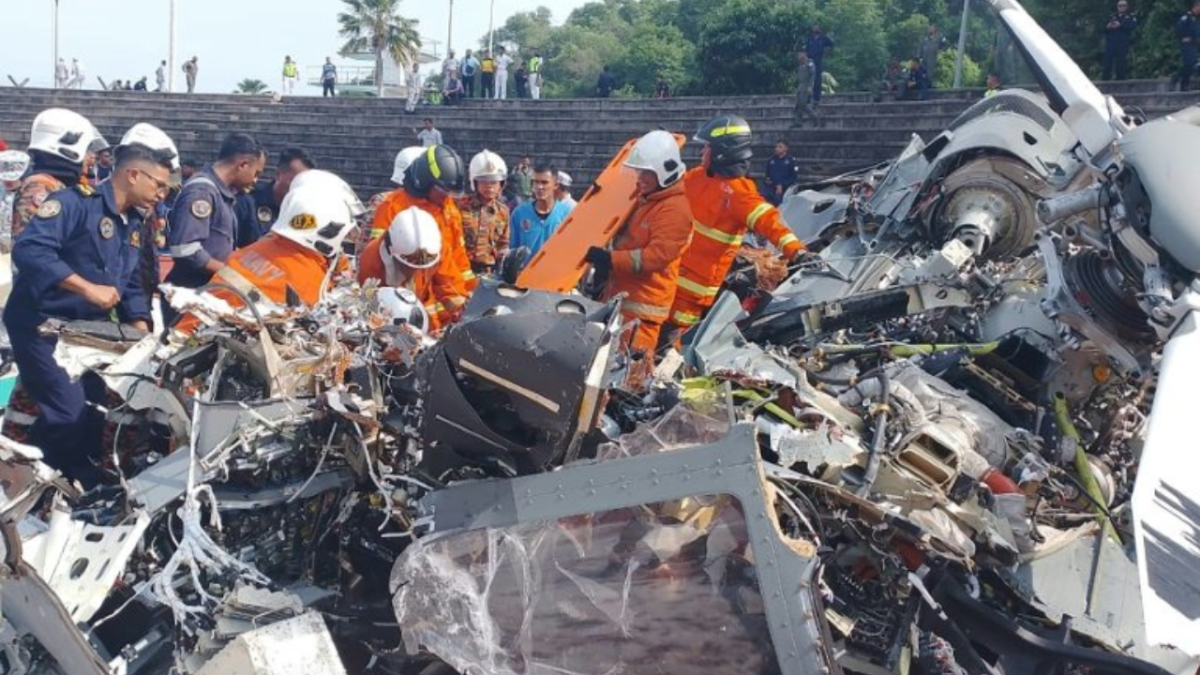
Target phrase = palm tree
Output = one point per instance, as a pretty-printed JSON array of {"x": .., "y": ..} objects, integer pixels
[
  {"x": 251, "y": 86},
  {"x": 375, "y": 26}
]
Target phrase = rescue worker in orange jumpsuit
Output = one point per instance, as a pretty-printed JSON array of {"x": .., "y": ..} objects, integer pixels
[
  {"x": 301, "y": 252},
  {"x": 408, "y": 256},
  {"x": 644, "y": 259},
  {"x": 485, "y": 216},
  {"x": 431, "y": 182},
  {"x": 403, "y": 159},
  {"x": 726, "y": 204}
]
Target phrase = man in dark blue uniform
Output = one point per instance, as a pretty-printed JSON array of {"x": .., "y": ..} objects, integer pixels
[
  {"x": 257, "y": 209},
  {"x": 1118, "y": 35},
  {"x": 80, "y": 259},
  {"x": 782, "y": 173},
  {"x": 817, "y": 47},
  {"x": 202, "y": 227},
  {"x": 1186, "y": 29}
]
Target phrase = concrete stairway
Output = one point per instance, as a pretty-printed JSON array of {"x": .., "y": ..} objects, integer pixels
[{"x": 358, "y": 138}]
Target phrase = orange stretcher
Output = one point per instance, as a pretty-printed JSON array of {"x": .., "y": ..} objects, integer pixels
[{"x": 559, "y": 265}]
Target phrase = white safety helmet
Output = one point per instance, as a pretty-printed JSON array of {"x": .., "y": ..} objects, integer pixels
[
  {"x": 487, "y": 166},
  {"x": 98, "y": 141},
  {"x": 62, "y": 133},
  {"x": 403, "y": 159},
  {"x": 414, "y": 239},
  {"x": 318, "y": 212},
  {"x": 401, "y": 306},
  {"x": 13, "y": 164},
  {"x": 657, "y": 151},
  {"x": 154, "y": 138},
  {"x": 320, "y": 178},
  {"x": 564, "y": 179}
]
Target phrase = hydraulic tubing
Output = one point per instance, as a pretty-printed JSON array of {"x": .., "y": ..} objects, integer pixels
[{"x": 1082, "y": 467}]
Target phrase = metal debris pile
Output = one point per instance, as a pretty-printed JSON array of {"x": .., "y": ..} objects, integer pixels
[{"x": 937, "y": 445}]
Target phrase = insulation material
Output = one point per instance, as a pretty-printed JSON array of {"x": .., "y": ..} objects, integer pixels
[
  {"x": 666, "y": 588},
  {"x": 299, "y": 646}
]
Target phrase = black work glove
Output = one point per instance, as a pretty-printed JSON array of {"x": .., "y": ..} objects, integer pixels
[{"x": 600, "y": 260}]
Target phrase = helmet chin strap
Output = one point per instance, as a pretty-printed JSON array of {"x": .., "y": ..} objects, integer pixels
[{"x": 731, "y": 170}]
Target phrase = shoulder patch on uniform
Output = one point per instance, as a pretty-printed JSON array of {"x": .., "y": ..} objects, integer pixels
[
  {"x": 201, "y": 208},
  {"x": 49, "y": 208},
  {"x": 265, "y": 215},
  {"x": 107, "y": 228},
  {"x": 303, "y": 221}
]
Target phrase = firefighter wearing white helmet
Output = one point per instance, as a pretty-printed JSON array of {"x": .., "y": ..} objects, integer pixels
[
  {"x": 644, "y": 260},
  {"x": 409, "y": 256},
  {"x": 154, "y": 138},
  {"x": 81, "y": 258},
  {"x": 486, "y": 219},
  {"x": 403, "y": 159},
  {"x": 297, "y": 258},
  {"x": 58, "y": 149}
]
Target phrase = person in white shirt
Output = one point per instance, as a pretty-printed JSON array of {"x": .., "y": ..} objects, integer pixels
[
  {"x": 76, "y": 75},
  {"x": 429, "y": 136},
  {"x": 412, "y": 83},
  {"x": 450, "y": 65},
  {"x": 502, "y": 62},
  {"x": 160, "y": 77},
  {"x": 563, "y": 193},
  {"x": 61, "y": 75}
]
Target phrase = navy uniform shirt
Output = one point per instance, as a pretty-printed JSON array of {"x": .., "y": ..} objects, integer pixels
[
  {"x": 817, "y": 45},
  {"x": 1121, "y": 36},
  {"x": 202, "y": 227},
  {"x": 1186, "y": 28},
  {"x": 77, "y": 231},
  {"x": 782, "y": 170},
  {"x": 256, "y": 213}
]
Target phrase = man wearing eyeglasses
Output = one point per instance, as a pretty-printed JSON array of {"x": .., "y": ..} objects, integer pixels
[
  {"x": 202, "y": 227},
  {"x": 80, "y": 259}
]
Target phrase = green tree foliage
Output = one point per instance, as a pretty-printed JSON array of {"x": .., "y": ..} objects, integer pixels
[
  {"x": 856, "y": 27},
  {"x": 523, "y": 31},
  {"x": 743, "y": 47},
  {"x": 376, "y": 27},
  {"x": 750, "y": 46},
  {"x": 251, "y": 86}
]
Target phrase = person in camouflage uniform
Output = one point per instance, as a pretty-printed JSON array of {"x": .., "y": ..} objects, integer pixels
[{"x": 485, "y": 216}]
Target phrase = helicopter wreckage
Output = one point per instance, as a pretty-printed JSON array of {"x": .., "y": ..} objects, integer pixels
[{"x": 951, "y": 440}]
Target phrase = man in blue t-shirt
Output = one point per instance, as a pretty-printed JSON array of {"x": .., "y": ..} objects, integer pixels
[
  {"x": 467, "y": 71},
  {"x": 328, "y": 78},
  {"x": 533, "y": 222}
]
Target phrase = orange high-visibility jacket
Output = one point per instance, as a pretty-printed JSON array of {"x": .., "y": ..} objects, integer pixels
[
  {"x": 449, "y": 220},
  {"x": 269, "y": 266},
  {"x": 646, "y": 254},
  {"x": 724, "y": 209},
  {"x": 431, "y": 286}
]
